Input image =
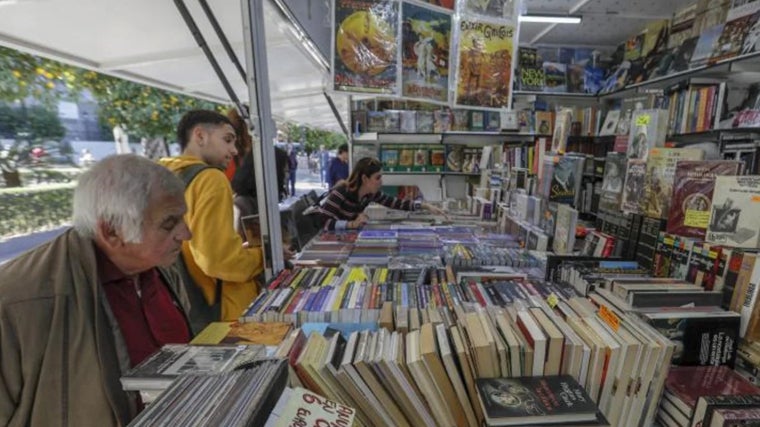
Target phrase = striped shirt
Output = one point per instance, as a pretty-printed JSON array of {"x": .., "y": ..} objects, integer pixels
[{"x": 343, "y": 205}]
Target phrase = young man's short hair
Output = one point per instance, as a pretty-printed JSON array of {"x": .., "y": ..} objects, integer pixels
[
  {"x": 193, "y": 118},
  {"x": 342, "y": 148}
]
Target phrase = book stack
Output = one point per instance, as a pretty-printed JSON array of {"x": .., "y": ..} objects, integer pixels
[
  {"x": 242, "y": 397},
  {"x": 693, "y": 395},
  {"x": 373, "y": 247},
  {"x": 156, "y": 373}
]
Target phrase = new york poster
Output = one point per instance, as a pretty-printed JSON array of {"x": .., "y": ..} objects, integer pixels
[
  {"x": 365, "y": 35},
  {"x": 425, "y": 41},
  {"x": 484, "y": 65}
]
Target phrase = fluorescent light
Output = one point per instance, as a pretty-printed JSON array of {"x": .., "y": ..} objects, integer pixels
[{"x": 551, "y": 19}]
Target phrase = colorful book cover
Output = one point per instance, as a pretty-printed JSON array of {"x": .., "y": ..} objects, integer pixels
[
  {"x": 405, "y": 159},
  {"x": 531, "y": 73},
  {"x": 555, "y": 76},
  {"x": 425, "y": 36},
  {"x": 735, "y": 212},
  {"x": 441, "y": 121},
  {"x": 565, "y": 180},
  {"x": 693, "y": 186},
  {"x": 658, "y": 184},
  {"x": 421, "y": 158},
  {"x": 389, "y": 158},
  {"x": 738, "y": 25},
  {"x": 633, "y": 189},
  {"x": 437, "y": 159},
  {"x": 364, "y": 52},
  {"x": 454, "y": 158},
  {"x": 707, "y": 42},
  {"x": 460, "y": 120},
  {"x": 484, "y": 66},
  {"x": 544, "y": 123}
]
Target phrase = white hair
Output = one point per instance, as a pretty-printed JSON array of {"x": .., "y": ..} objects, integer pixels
[{"x": 117, "y": 190}]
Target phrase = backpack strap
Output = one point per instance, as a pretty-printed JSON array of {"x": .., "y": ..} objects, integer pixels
[{"x": 202, "y": 313}]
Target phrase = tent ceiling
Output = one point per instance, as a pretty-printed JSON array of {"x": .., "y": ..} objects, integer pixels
[{"x": 147, "y": 41}]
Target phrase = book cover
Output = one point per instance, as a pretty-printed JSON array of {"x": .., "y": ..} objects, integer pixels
[
  {"x": 408, "y": 121},
  {"x": 658, "y": 184},
  {"x": 375, "y": 121},
  {"x": 576, "y": 82},
  {"x": 615, "y": 165},
  {"x": 693, "y": 186},
  {"x": 735, "y": 212},
  {"x": 648, "y": 130},
  {"x": 544, "y": 123},
  {"x": 564, "y": 231},
  {"x": 392, "y": 121},
  {"x": 425, "y": 122},
  {"x": 633, "y": 189},
  {"x": 460, "y": 120},
  {"x": 682, "y": 55},
  {"x": 531, "y": 73},
  {"x": 493, "y": 121},
  {"x": 708, "y": 40},
  {"x": 477, "y": 120},
  {"x": 406, "y": 159},
  {"x": 610, "y": 123},
  {"x": 555, "y": 76},
  {"x": 421, "y": 158},
  {"x": 688, "y": 383},
  {"x": 264, "y": 333},
  {"x": 389, "y": 158},
  {"x": 425, "y": 53},
  {"x": 442, "y": 121},
  {"x": 701, "y": 338},
  {"x": 566, "y": 179},
  {"x": 731, "y": 41},
  {"x": 564, "y": 118},
  {"x": 454, "y": 158},
  {"x": 534, "y": 400}
]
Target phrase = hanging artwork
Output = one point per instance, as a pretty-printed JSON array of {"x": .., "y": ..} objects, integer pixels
[
  {"x": 503, "y": 9},
  {"x": 484, "y": 66},
  {"x": 365, "y": 39},
  {"x": 446, "y": 4},
  {"x": 425, "y": 36}
]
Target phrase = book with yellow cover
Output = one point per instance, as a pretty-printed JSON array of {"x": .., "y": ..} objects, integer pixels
[{"x": 264, "y": 333}]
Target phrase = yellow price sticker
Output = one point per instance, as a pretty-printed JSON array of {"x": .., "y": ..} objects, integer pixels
[
  {"x": 609, "y": 317},
  {"x": 552, "y": 300},
  {"x": 643, "y": 120}
]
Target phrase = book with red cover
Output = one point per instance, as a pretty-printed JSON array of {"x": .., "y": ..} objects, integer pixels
[
  {"x": 689, "y": 383},
  {"x": 692, "y": 195}
]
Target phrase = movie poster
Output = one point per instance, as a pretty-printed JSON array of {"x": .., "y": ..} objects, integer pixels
[
  {"x": 364, "y": 46},
  {"x": 425, "y": 37},
  {"x": 484, "y": 66}
]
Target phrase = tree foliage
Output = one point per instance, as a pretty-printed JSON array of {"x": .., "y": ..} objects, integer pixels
[
  {"x": 23, "y": 75},
  {"x": 313, "y": 138}
]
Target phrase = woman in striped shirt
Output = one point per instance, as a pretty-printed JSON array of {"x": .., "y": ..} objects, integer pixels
[{"x": 344, "y": 206}]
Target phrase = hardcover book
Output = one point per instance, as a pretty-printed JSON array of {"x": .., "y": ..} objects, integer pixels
[
  {"x": 534, "y": 400},
  {"x": 686, "y": 384},
  {"x": 693, "y": 186},
  {"x": 661, "y": 169},
  {"x": 735, "y": 212}
]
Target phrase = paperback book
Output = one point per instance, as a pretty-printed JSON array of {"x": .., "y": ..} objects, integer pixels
[
  {"x": 735, "y": 212},
  {"x": 661, "y": 168}
]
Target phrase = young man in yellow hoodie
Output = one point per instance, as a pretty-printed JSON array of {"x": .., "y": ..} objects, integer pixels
[{"x": 215, "y": 257}]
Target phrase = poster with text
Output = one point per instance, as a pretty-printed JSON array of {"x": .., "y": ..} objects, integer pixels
[
  {"x": 425, "y": 40},
  {"x": 365, "y": 40},
  {"x": 484, "y": 65}
]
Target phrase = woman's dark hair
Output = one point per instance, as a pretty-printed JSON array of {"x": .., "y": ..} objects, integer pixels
[
  {"x": 366, "y": 166},
  {"x": 244, "y": 181},
  {"x": 244, "y": 142}
]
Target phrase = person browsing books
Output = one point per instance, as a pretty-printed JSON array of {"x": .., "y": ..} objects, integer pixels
[
  {"x": 220, "y": 274},
  {"x": 81, "y": 309},
  {"x": 343, "y": 208}
]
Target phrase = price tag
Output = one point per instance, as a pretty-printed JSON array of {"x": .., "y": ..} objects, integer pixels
[
  {"x": 552, "y": 300},
  {"x": 643, "y": 120},
  {"x": 609, "y": 317}
]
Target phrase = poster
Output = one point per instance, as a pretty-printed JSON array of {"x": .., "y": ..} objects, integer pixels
[
  {"x": 446, "y": 4},
  {"x": 503, "y": 9},
  {"x": 425, "y": 41},
  {"x": 484, "y": 66},
  {"x": 365, "y": 46}
]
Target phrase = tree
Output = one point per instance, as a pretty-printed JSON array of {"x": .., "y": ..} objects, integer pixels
[
  {"x": 23, "y": 75},
  {"x": 313, "y": 138}
]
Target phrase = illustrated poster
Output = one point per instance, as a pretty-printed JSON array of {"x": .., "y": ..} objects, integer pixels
[
  {"x": 504, "y": 9},
  {"x": 425, "y": 41},
  {"x": 484, "y": 68},
  {"x": 364, "y": 46}
]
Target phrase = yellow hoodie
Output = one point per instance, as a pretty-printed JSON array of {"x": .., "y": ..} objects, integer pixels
[{"x": 216, "y": 250}]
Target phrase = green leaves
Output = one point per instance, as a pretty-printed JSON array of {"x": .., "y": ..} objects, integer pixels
[{"x": 25, "y": 211}]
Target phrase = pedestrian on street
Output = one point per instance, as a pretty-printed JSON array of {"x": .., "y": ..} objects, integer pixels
[{"x": 292, "y": 166}]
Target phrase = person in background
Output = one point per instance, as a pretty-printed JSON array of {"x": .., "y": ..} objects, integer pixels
[
  {"x": 242, "y": 145},
  {"x": 324, "y": 160},
  {"x": 80, "y": 310},
  {"x": 292, "y": 167},
  {"x": 343, "y": 208},
  {"x": 220, "y": 271},
  {"x": 338, "y": 169}
]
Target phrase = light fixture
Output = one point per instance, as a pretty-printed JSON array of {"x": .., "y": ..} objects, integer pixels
[{"x": 551, "y": 19}]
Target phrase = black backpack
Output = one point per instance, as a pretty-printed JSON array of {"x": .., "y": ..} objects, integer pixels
[{"x": 201, "y": 313}]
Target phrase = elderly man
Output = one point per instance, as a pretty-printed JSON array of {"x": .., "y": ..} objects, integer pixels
[{"x": 78, "y": 311}]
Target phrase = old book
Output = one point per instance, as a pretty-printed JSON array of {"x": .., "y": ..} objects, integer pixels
[
  {"x": 693, "y": 187},
  {"x": 648, "y": 130},
  {"x": 735, "y": 214},
  {"x": 706, "y": 405},
  {"x": 531, "y": 400},
  {"x": 423, "y": 379},
  {"x": 661, "y": 168}
]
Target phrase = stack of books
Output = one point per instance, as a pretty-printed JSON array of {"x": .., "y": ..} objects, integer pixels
[{"x": 242, "y": 398}]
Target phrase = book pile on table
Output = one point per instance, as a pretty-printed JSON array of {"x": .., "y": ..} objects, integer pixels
[
  {"x": 708, "y": 396},
  {"x": 158, "y": 371},
  {"x": 243, "y": 397}
]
